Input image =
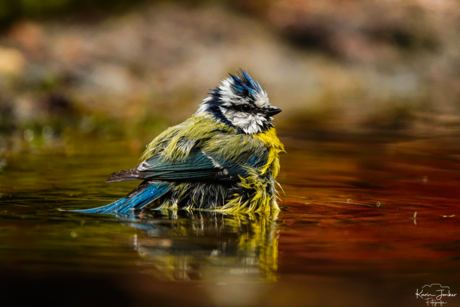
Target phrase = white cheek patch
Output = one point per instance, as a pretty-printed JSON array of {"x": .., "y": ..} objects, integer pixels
[
  {"x": 249, "y": 123},
  {"x": 260, "y": 119}
]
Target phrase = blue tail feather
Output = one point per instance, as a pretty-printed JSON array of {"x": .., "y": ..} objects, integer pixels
[{"x": 132, "y": 202}]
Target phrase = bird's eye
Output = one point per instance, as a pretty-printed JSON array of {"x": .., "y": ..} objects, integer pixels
[{"x": 244, "y": 108}]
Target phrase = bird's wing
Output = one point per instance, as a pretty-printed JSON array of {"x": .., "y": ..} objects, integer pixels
[{"x": 199, "y": 165}]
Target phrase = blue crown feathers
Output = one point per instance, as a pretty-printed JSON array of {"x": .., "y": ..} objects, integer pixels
[{"x": 244, "y": 86}]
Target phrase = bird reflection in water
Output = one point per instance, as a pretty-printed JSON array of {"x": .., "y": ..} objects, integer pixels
[{"x": 207, "y": 246}]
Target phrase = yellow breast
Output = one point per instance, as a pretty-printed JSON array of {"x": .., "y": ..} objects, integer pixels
[{"x": 274, "y": 146}]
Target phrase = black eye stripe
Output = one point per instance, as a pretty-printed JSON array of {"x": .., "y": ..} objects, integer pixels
[{"x": 244, "y": 108}]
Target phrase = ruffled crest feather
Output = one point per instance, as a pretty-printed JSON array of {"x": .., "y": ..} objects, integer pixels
[{"x": 244, "y": 86}]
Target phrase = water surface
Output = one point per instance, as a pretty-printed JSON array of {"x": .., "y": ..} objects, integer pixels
[{"x": 364, "y": 222}]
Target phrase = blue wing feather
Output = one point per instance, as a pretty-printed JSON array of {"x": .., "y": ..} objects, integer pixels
[
  {"x": 134, "y": 201},
  {"x": 198, "y": 166}
]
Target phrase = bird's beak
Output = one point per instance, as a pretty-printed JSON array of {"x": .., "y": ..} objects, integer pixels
[{"x": 272, "y": 110}]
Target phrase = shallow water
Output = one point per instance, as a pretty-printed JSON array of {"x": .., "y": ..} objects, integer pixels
[{"x": 348, "y": 234}]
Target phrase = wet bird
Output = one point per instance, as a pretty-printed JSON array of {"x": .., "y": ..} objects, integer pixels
[{"x": 224, "y": 158}]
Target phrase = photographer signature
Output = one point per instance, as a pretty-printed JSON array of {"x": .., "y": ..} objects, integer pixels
[{"x": 434, "y": 294}]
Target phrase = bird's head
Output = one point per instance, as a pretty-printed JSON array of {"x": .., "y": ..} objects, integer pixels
[{"x": 240, "y": 102}]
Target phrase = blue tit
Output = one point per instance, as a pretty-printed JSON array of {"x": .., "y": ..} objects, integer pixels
[{"x": 224, "y": 158}]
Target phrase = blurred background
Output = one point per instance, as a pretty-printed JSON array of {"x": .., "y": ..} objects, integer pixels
[
  {"x": 371, "y": 122},
  {"x": 126, "y": 66}
]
